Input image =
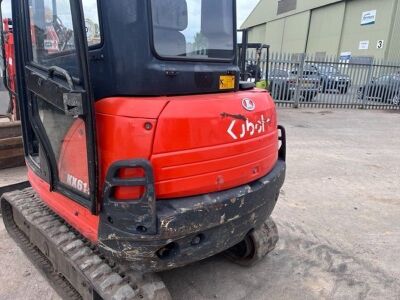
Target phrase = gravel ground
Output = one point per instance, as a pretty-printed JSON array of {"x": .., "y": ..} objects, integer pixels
[{"x": 338, "y": 217}]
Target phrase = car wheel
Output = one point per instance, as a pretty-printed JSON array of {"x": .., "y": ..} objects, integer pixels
[
  {"x": 286, "y": 94},
  {"x": 309, "y": 96},
  {"x": 360, "y": 95},
  {"x": 313, "y": 96},
  {"x": 396, "y": 99},
  {"x": 323, "y": 86},
  {"x": 276, "y": 92},
  {"x": 344, "y": 90}
]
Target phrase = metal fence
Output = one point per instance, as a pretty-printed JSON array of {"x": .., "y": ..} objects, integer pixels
[{"x": 301, "y": 80}]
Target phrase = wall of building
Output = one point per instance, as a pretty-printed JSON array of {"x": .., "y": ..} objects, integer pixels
[
  {"x": 283, "y": 35},
  {"x": 393, "y": 48},
  {"x": 353, "y": 32},
  {"x": 295, "y": 33},
  {"x": 326, "y": 29},
  {"x": 329, "y": 26},
  {"x": 274, "y": 34},
  {"x": 266, "y": 10},
  {"x": 257, "y": 34}
]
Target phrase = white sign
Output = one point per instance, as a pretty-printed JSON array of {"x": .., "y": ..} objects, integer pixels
[
  {"x": 345, "y": 56},
  {"x": 368, "y": 17},
  {"x": 380, "y": 44},
  {"x": 364, "y": 45},
  {"x": 51, "y": 45}
]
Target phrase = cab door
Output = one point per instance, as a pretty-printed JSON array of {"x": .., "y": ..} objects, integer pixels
[{"x": 59, "y": 100}]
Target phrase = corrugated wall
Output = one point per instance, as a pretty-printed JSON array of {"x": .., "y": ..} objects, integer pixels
[
  {"x": 295, "y": 33},
  {"x": 393, "y": 50},
  {"x": 257, "y": 34},
  {"x": 353, "y": 32},
  {"x": 326, "y": 29},
  {"x": 333, "y": 28},
  {"x": 287, "y": 34},
  {"x": 274, "y": 34},
  {"x": 266, "y": 10}
]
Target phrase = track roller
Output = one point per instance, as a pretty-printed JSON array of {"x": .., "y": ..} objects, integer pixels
[{"x": 255, "y": 246}]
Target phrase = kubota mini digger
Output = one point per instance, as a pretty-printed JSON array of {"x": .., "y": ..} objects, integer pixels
[{"x": 144, "y": 150}]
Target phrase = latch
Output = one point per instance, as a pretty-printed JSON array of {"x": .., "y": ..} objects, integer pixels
[{"x": 73, "y": 104}]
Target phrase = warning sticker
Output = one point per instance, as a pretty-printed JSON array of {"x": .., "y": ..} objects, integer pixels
[{"x": 227, "y": 82}]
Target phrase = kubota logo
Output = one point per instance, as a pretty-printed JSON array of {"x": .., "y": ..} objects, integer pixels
[
  {"x": 248, "y": 104},
  {"x": 248, "y": 128}
]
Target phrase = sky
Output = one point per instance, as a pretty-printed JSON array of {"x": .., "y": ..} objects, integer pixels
[
  {"x": 244, "y": 8},
  {"x": 6, "y": 8}
]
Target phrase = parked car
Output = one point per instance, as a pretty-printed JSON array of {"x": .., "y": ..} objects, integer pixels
[
  {"x": 279, "y": 84},
  {"x": 384, "y": 89},
  {"x": 333, "y": 79},
  {"x": 283, "y": 84}
]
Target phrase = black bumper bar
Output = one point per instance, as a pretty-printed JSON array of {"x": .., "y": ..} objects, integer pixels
[
  {"x": 194, "y": 228},
  {"x": 171, "y": 233}
]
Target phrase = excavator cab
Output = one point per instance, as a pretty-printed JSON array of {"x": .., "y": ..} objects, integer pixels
[{"x": 141, "y": 142}]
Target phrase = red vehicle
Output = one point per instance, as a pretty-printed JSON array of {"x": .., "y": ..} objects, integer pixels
[
  {"x": 9, "y": 75},
  {"x": 144, "y": 150}
]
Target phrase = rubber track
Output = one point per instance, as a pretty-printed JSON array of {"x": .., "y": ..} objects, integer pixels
[
  {"x": 57, "y": 281},
  {"x": 102, "y": 274}
]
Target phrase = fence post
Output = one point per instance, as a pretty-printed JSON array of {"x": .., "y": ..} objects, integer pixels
[
  {"x": 301, "y": 59},
  {"x": 369, "y": 79}
]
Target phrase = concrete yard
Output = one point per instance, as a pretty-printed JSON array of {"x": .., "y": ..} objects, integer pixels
[
  {"x": 4, "y": 100},
  {"x": 338, "y": 216}
]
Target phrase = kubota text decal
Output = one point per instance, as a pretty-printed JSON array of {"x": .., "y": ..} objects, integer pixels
[{"x": 247, "y": 128}]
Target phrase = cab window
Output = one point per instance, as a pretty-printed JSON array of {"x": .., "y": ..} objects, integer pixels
[
  {"x": 193, "y": 29},
  {"x": 52, "y": 30},
  {"x": 92, "y": 23}
]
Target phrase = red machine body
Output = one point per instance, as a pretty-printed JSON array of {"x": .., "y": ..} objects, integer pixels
[
  {"x": 150, "y": 147},
  {"x": 188, "y": 157},
  {"x": 9, "y": 60}
]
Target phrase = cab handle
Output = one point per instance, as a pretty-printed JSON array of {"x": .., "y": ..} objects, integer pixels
[{"x": 60, "y": 71}]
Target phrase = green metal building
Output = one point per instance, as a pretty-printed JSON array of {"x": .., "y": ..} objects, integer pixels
[{"x": 354, "y": 28}]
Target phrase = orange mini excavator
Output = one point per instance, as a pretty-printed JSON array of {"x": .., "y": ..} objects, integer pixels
[{"x": 144, "y": 150}]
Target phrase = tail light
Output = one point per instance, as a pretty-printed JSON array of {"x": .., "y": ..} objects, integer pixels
[
  {"x": 129, "y": 200},
  {"x": 127, "y": 193}
]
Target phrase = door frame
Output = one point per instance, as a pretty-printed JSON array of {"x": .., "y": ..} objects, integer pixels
[{"x": 30, "y": 127}]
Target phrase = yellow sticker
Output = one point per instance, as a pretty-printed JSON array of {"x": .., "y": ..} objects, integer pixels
[{"x": 227, "y": 82}]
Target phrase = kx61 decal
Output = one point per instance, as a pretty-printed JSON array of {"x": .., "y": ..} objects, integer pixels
[
  {"x": 248, "y": 128},
  {"x": 77, "y": 184}
]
